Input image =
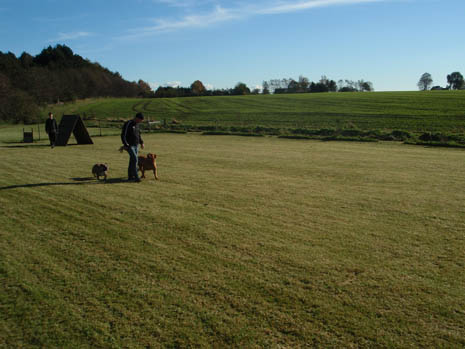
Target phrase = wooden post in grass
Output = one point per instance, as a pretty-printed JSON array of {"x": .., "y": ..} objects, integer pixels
[
  {"x": 100, "y": 127},
  {"x": 38, "y": 129},
  {"x": 28, "y": 137}
]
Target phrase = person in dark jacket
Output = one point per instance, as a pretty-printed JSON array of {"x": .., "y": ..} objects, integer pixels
[
  {"x": 130, "y": 136},
  {"x": 51, "y": 128}
]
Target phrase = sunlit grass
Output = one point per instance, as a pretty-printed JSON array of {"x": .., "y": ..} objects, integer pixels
[
  {"x": 431, "y": 111},
  {"x": 242, "y": 242}
]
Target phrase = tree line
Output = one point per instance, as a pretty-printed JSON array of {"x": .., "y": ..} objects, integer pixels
[
  {"x": 304, "y": 85},
  {"x": 55, "y": 75},
  {"x": 276, "y": 86},
  {"x": 455, "y": 81},
  {"x": 197, "y": 88}
]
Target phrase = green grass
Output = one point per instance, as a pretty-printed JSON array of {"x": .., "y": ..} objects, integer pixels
[
  {"x": 14, "y": 133},
  {"x": 244, "y": 242},
  {"x": 431, "y": 111}
]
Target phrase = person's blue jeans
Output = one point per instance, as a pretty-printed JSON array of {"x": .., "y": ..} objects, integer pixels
[{"x": 132, "y": 168}]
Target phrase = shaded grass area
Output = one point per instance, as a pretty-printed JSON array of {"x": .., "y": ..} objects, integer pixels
[
  {"x": 14, "y": 133},
  {"x": 10, "y": 133},
  {"x": 243, "y": 242}
]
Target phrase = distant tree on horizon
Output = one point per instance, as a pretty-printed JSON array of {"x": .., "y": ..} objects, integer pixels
[
  {"x": 324, "y": 85},
  {"x": 241, "y": 89},
  {"x": 198, "y": 88},
  {"x": 455, "y": 81},
  {"x": 145, "y": 89},
  {"x": 364, "y": 86},
  {"x": 303, "y": 83},
  {"x": 265, "y": 88},
  {"x": 293, "y": 86},
  {"x": 425, "y": 82}
]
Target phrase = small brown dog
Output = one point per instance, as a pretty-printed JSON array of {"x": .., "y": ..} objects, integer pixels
[
  {"x": 148, "y": 163},
  {"x": 100, "y": 170}
]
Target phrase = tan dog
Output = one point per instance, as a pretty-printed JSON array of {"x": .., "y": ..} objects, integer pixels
[
  {"x": 148, "y": 163},
  {"x": 100, "y": 170}
]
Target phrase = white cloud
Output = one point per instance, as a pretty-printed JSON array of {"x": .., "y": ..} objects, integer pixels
[
  {"x": 173, "y": 84},
  {"x": 222, "y": 14},
  {"x": 309, "y": 4},
  {"x": 219, "y": 14},
  {"x": 154, "y": 85},
  {"x": 70, "y": 36}
]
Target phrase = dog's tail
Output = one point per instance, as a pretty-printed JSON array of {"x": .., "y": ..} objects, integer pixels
[{"x": 122, "y": 148}]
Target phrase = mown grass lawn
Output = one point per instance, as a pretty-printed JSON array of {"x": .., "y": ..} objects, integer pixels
[
  {"x": 420, "y": 111},
  {"x": 243, "y": 242}
]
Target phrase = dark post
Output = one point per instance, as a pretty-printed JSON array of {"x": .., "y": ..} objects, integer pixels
[{"x": 28, "y": 137}]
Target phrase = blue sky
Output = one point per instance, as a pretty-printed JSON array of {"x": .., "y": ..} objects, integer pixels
[{"x": 175, "y": 42}]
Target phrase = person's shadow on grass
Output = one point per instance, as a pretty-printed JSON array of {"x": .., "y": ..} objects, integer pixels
[{"x": 76, "y": 181}]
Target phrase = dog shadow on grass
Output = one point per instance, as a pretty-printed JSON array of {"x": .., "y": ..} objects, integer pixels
[{"x": 76, "y": 181}]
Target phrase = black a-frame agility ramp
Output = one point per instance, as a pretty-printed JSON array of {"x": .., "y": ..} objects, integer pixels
[{"x": 72, "y": 124}]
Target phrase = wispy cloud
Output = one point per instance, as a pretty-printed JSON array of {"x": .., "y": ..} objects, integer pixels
[
  {"x": 218, "y": 15},
  {"x": 309, "y": 4},
  {"x": 70, "y": 36},
  {"x": 221, "y": 14}
]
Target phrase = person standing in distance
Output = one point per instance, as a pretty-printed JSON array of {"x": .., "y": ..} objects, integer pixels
[
  {"x": 51, "y": 128},
  {"x": 130, "y": 136}
]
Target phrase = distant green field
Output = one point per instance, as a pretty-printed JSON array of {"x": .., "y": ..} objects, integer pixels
[
  {"x": 243, "y": 242},
  {"x": 432, "y": 111}
]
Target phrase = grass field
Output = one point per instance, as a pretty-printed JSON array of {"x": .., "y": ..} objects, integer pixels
[
  {"x": 14, "y": 133},
  {"x": 431, "y": 111},
  {"x": 243, "y": 242}
]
